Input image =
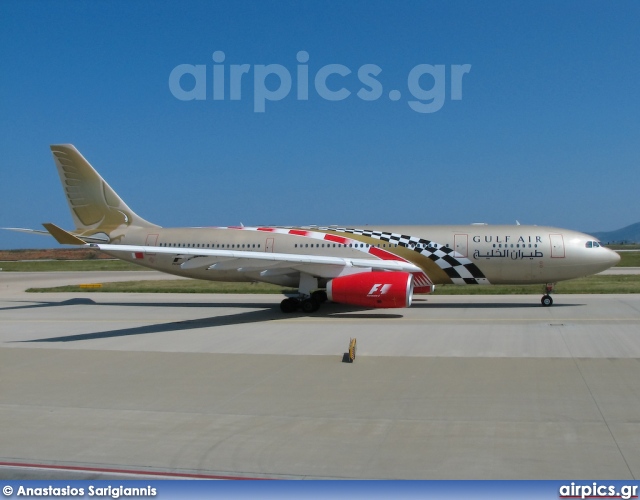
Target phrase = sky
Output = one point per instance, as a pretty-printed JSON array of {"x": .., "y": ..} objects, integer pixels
[{"x": 214, "y": 113}]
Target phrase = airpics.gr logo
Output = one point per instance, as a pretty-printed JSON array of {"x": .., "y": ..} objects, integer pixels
[{"x": 426, "y": 83}]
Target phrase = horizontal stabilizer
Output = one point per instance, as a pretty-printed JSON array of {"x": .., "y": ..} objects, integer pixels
[
  {"x": 63, "y": 237},
  {"x": 39, "y": 232}
]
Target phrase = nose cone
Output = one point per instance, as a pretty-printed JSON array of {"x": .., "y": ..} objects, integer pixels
[
  {"x": 612, "y": 258},
  {"x": 595, "y": 258},
  {"x": 604, "y": 258}
]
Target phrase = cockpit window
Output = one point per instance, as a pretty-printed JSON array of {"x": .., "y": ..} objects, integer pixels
[{"x": 592, "y": 244}]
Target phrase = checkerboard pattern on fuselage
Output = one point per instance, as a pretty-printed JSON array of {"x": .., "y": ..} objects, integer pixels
[{"x": 460, "y": 269}]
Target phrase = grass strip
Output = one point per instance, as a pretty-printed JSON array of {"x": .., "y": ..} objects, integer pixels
[{"x": 69, "y": 265}]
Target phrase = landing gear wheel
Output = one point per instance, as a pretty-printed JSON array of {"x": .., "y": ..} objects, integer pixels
[
  {"x": 310, "y": 305},
  {"x": 546, "y": 301},
  {"x": 289, "y": 305}
]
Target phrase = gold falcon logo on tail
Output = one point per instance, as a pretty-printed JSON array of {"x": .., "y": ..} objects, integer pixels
[{"x": 95, "y": 206}]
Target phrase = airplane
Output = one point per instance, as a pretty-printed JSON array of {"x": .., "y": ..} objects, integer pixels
[{"x": 381, "y": 267}]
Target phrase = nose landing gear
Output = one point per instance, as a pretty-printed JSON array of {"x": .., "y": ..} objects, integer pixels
[{"x": 546, "y": 300}]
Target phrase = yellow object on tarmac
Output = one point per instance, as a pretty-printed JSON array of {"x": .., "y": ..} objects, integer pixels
[{"x": 352, "y": 350}]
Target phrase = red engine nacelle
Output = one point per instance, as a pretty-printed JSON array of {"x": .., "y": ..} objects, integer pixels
[{"x": 375, "y": 289}]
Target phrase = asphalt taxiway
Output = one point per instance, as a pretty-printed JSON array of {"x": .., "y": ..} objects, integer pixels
[{"x": 456, "y": 387}]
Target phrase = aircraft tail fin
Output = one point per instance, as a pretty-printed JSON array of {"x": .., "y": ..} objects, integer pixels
[{"x": 95, "y": 206}]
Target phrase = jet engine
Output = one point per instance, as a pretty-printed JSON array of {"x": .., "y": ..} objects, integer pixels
[{"x": 382, "y": 289}]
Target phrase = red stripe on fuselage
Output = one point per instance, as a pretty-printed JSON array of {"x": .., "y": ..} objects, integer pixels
[
  {"x": 383, "y": 254},
  {"x": 337, "y": 239},
  {"x": 299, "y": 232},
  {"x": 372, "y": 250}
]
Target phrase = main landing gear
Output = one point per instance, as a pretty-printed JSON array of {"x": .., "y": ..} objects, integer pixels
[
  {"x": 546, "y": 300},
  {"x": 308, "y": 304},
  {"x": 308, "y": 301}
]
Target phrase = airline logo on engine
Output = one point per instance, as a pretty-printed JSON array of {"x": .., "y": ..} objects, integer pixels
[{"x": 379, "y": 289}]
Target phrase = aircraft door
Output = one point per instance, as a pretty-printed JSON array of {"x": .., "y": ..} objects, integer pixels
[
  {"x": 557, "y": 246},
  {"x": 268, "y": 247},
  {"x": 151, "y": 241},
  {"x": 461, "y": 244}
]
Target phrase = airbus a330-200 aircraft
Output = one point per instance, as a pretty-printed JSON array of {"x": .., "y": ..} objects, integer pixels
[{"x": 379, "y": 267}]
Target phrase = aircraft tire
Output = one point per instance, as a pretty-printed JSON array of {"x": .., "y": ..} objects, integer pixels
[
  {"x": 546, "y": 301},
  {"x": 289, "y": 305},
  {"x": 310, "y": 305}
]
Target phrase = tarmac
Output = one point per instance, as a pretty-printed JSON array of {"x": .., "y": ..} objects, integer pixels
[{"x": 103, "y": 385}]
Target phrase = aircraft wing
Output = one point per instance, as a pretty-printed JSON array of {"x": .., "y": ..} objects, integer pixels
[{"x": 317, "y": 265}]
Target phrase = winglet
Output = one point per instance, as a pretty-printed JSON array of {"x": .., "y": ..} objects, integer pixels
[{"x": 63, "y": 237}]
